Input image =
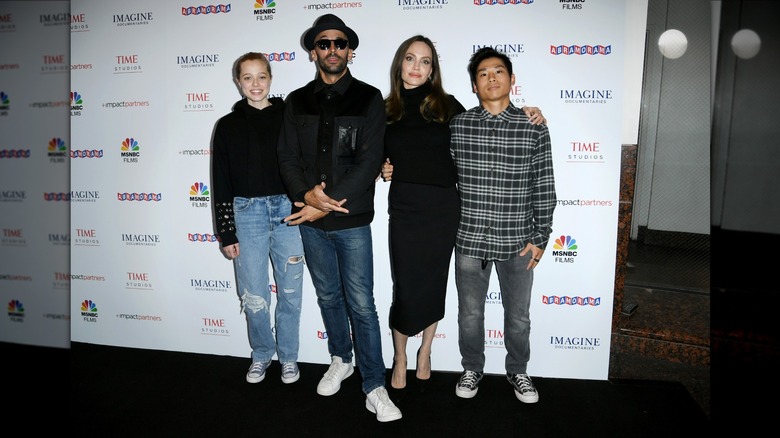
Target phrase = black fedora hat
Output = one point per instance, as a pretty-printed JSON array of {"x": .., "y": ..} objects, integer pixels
[{"x": 328, "y": 22}]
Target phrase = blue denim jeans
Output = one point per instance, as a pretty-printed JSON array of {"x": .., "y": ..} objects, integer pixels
[
  {"x": 515, "y": 282},
  {"x": 262, "y": 237},
  {"x": 341, "y": 264}
]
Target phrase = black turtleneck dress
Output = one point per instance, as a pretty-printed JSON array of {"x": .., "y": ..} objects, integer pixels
[{"x": 424, "y": 211}]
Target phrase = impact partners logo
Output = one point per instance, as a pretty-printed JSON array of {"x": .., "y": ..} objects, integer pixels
[
  {"x": 15, "y": 311},
  {"x": 214, "y": 327},
  {"x": 564, "y": 249}
]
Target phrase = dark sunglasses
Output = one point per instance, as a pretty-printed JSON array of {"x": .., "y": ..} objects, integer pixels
[{"x": 324, "y": 44}]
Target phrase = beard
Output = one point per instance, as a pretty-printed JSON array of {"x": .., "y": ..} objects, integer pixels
[{"x": 333, "y": 69}]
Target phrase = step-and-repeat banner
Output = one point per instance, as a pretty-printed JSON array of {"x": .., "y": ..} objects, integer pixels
[{"x": 148, "y": 81}]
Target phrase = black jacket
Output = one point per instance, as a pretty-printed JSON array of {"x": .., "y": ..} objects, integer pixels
[{"x": 334, "y": 134}]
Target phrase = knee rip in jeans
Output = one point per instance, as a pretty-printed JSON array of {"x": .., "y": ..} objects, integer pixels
[{"x": 254, "y": 303}]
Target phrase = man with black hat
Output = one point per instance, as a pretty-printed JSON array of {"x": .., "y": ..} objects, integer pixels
[{"x": 330, "y": 155}]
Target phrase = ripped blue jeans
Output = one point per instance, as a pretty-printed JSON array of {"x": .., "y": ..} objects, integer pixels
[{"x": 262, "y": 237}]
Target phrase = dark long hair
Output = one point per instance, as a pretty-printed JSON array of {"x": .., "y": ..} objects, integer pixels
[{"x": 435, "y": 107}]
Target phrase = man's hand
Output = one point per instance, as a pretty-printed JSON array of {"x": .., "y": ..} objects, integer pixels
[{"x": 317, "y": 198}]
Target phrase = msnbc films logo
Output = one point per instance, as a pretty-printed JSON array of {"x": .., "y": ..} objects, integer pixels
[
  {"x": 585, "y": 152},
  {"x": 138, "y": 281},
  {"x": 14, "y": 153},
  {"x": 198, "y": 102},
  {"x": 581, "y": 50},
  {"x": 564, "y": 249},
  {"x": 57, "y": 150},
  {"x": 131, "y": 239},
  {"x": 571, "y": 4},
  {"x": 132, "y": 19},
  {"x": 199, "y": 195},
  {"x": 86, "y": 237},
  {"x": 501, "y": 2},
  {"x": 78, "y": 23},
  {"x": 54, "y": 64},
  {"x": 13, "y": 237},
  {"x": 571, "y": 300},
  {"x": 140, "y": 197},
  {"x": 76, "y": 103},
  {"x": 61, "y": 281},
  {"x": 205, "y": 10},
  {"x": 89, "y": 311},
  {"x": 575, "y": 343},
  {"x": 13, "y": 195},
  {"x": 129, "y": 150},
  {"x": 211, "y": 285},
  {"x": 586, "y": 96},
  {"x": 16, "y": 311},
  {"x": 214, "y": 327},
  {"x": 200, "y": 60},
  {"x": 264, "y": 10},
  {"x": 202, "y": 237},
  {"x": 84, "y": 195},
  {"x": 5, "y": 103},
  {"x": 127, "y": 64}
]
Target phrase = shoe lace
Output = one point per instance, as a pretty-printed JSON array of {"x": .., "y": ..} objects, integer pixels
[
  {"x": 334, "y": 370},
  {"x": 524, "y": 383},
  {"x": 288, "y": 368},
  {"x": 257, "y": 367},
  {"x": 469, "y": 379}
]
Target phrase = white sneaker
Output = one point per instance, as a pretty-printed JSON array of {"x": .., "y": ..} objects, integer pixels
[
  {"x": 379, "y": 403},
  {"x": 331, "y": 381}
]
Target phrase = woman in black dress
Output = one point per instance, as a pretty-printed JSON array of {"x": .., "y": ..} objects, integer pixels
[{"x": 423, "y": 199}]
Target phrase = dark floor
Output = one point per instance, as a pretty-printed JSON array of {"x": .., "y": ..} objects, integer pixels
[{"x": 665, "y": 331}]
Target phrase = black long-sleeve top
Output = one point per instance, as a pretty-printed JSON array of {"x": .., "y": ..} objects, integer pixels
[
  {"x": 418, "y": 149},
  {"x": 244, "y": 161}
]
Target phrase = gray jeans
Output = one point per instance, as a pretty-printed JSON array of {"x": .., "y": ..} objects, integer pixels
[{"x": 515, "y": 282}]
